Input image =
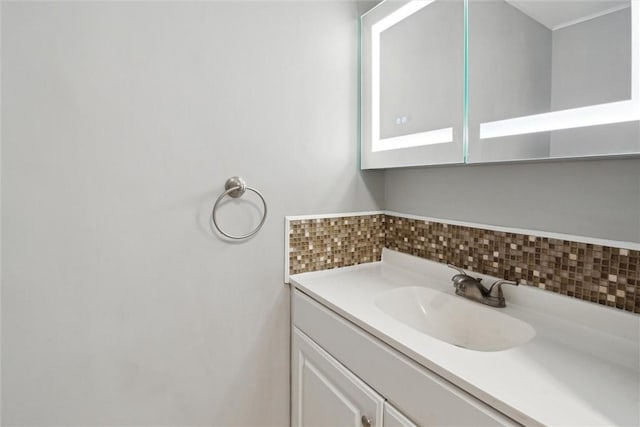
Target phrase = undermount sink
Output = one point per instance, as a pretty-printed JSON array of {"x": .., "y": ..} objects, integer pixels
[{"x": 454, "y": 320}]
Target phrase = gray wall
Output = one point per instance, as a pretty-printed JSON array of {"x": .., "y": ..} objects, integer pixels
[
  {"x": 592, "y": 62},
  {"x": 590, "y": 198},
  {"x": 519, "y": 67},
  {"x": 410, "y": 85},
  {"x": 509, "y": 76},
  {"x": 121, "y": 123},
  {"x": 592, "y": 65},
  {"x": 365, "y": 6}
]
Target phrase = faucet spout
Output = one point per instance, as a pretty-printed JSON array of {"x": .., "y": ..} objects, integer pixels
[{"x": 495, "y": 290}]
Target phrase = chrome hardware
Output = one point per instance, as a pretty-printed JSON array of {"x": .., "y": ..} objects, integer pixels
[
  {"x": 461, "y": 271},
  {"x": 495, "y": 290},
  {"x": 472, "y": 288},
  {"x": 366, "y": 421},
  {"x": 235, "y": 187}
]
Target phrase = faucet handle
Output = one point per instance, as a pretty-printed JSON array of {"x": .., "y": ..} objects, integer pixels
[
  {"x": 463, "y": 273},
  {"x": 458, "y": 269},
  {"x": 458, "y": 279}
]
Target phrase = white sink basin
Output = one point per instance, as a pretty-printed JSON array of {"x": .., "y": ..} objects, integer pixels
[{"x": 454, "y": 319}]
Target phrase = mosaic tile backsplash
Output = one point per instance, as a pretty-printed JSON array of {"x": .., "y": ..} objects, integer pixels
[
  {"x": 321, "y": 244},
  {"x": 601, "y": 274}
]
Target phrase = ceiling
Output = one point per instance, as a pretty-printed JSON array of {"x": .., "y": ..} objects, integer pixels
[{"x": 555, "y": 14}]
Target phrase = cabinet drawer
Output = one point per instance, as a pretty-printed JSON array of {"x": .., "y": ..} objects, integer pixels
[{"x": 417, "y": 392}]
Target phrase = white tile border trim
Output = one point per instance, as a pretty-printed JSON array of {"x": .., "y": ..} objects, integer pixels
[
  {"x": 537, "y": 233},
  {"x": 287, "y": 226},
  {"x": 332, "y": 215}
]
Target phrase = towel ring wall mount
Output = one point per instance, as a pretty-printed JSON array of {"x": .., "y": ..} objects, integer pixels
[{"x": 235, "y": 187}]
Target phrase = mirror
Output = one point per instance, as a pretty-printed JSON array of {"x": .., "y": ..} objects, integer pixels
[
  {"x": 412, "y": 103},
  {"x": 553, "y": 79}
]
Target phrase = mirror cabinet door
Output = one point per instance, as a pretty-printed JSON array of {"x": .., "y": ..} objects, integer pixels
[
  {"x": 412, "y": 66},
  {"x": 553, "y": 79}
]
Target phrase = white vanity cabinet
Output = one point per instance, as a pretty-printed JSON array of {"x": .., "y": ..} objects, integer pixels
[
  {"x": 325, "y": 393},
  {"x": 394, "y": 418},
  {"x": 342, "y": 376}
]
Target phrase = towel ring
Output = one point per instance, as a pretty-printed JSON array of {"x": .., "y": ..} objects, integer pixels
[{"x": 235, "y": 187}]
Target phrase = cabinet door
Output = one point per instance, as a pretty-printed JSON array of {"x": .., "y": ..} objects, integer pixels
[
  {"x": 394, "y": 418},
  {"x": 325, "y": 393}
]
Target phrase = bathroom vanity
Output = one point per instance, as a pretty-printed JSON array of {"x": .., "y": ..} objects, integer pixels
[{"x": 390, "y": 344}]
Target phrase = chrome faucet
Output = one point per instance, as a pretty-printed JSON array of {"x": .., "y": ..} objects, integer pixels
[{"x": 472, "y": 288}]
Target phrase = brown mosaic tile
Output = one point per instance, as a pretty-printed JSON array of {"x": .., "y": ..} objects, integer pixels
[
  {"x": 605, "y": 275},
  {"x": 321, "y": 244}
]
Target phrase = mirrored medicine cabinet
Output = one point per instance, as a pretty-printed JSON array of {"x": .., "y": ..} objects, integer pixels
[{"x": 485, "y": 81}]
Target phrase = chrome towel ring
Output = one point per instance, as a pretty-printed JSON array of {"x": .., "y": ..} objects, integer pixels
[{"x": 236, "y": 187}]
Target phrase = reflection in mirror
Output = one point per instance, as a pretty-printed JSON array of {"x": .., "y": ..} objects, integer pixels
[
  {"x": 552, "y": 79},
  {"x": 413, "y": 83},
  {"x": 415, "y": 95}
]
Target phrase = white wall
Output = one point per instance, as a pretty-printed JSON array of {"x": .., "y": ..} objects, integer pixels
[{"x": 121, "y": 123}]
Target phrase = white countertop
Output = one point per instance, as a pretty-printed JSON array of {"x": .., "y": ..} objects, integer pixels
[{"x": 581, "y": 368}]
